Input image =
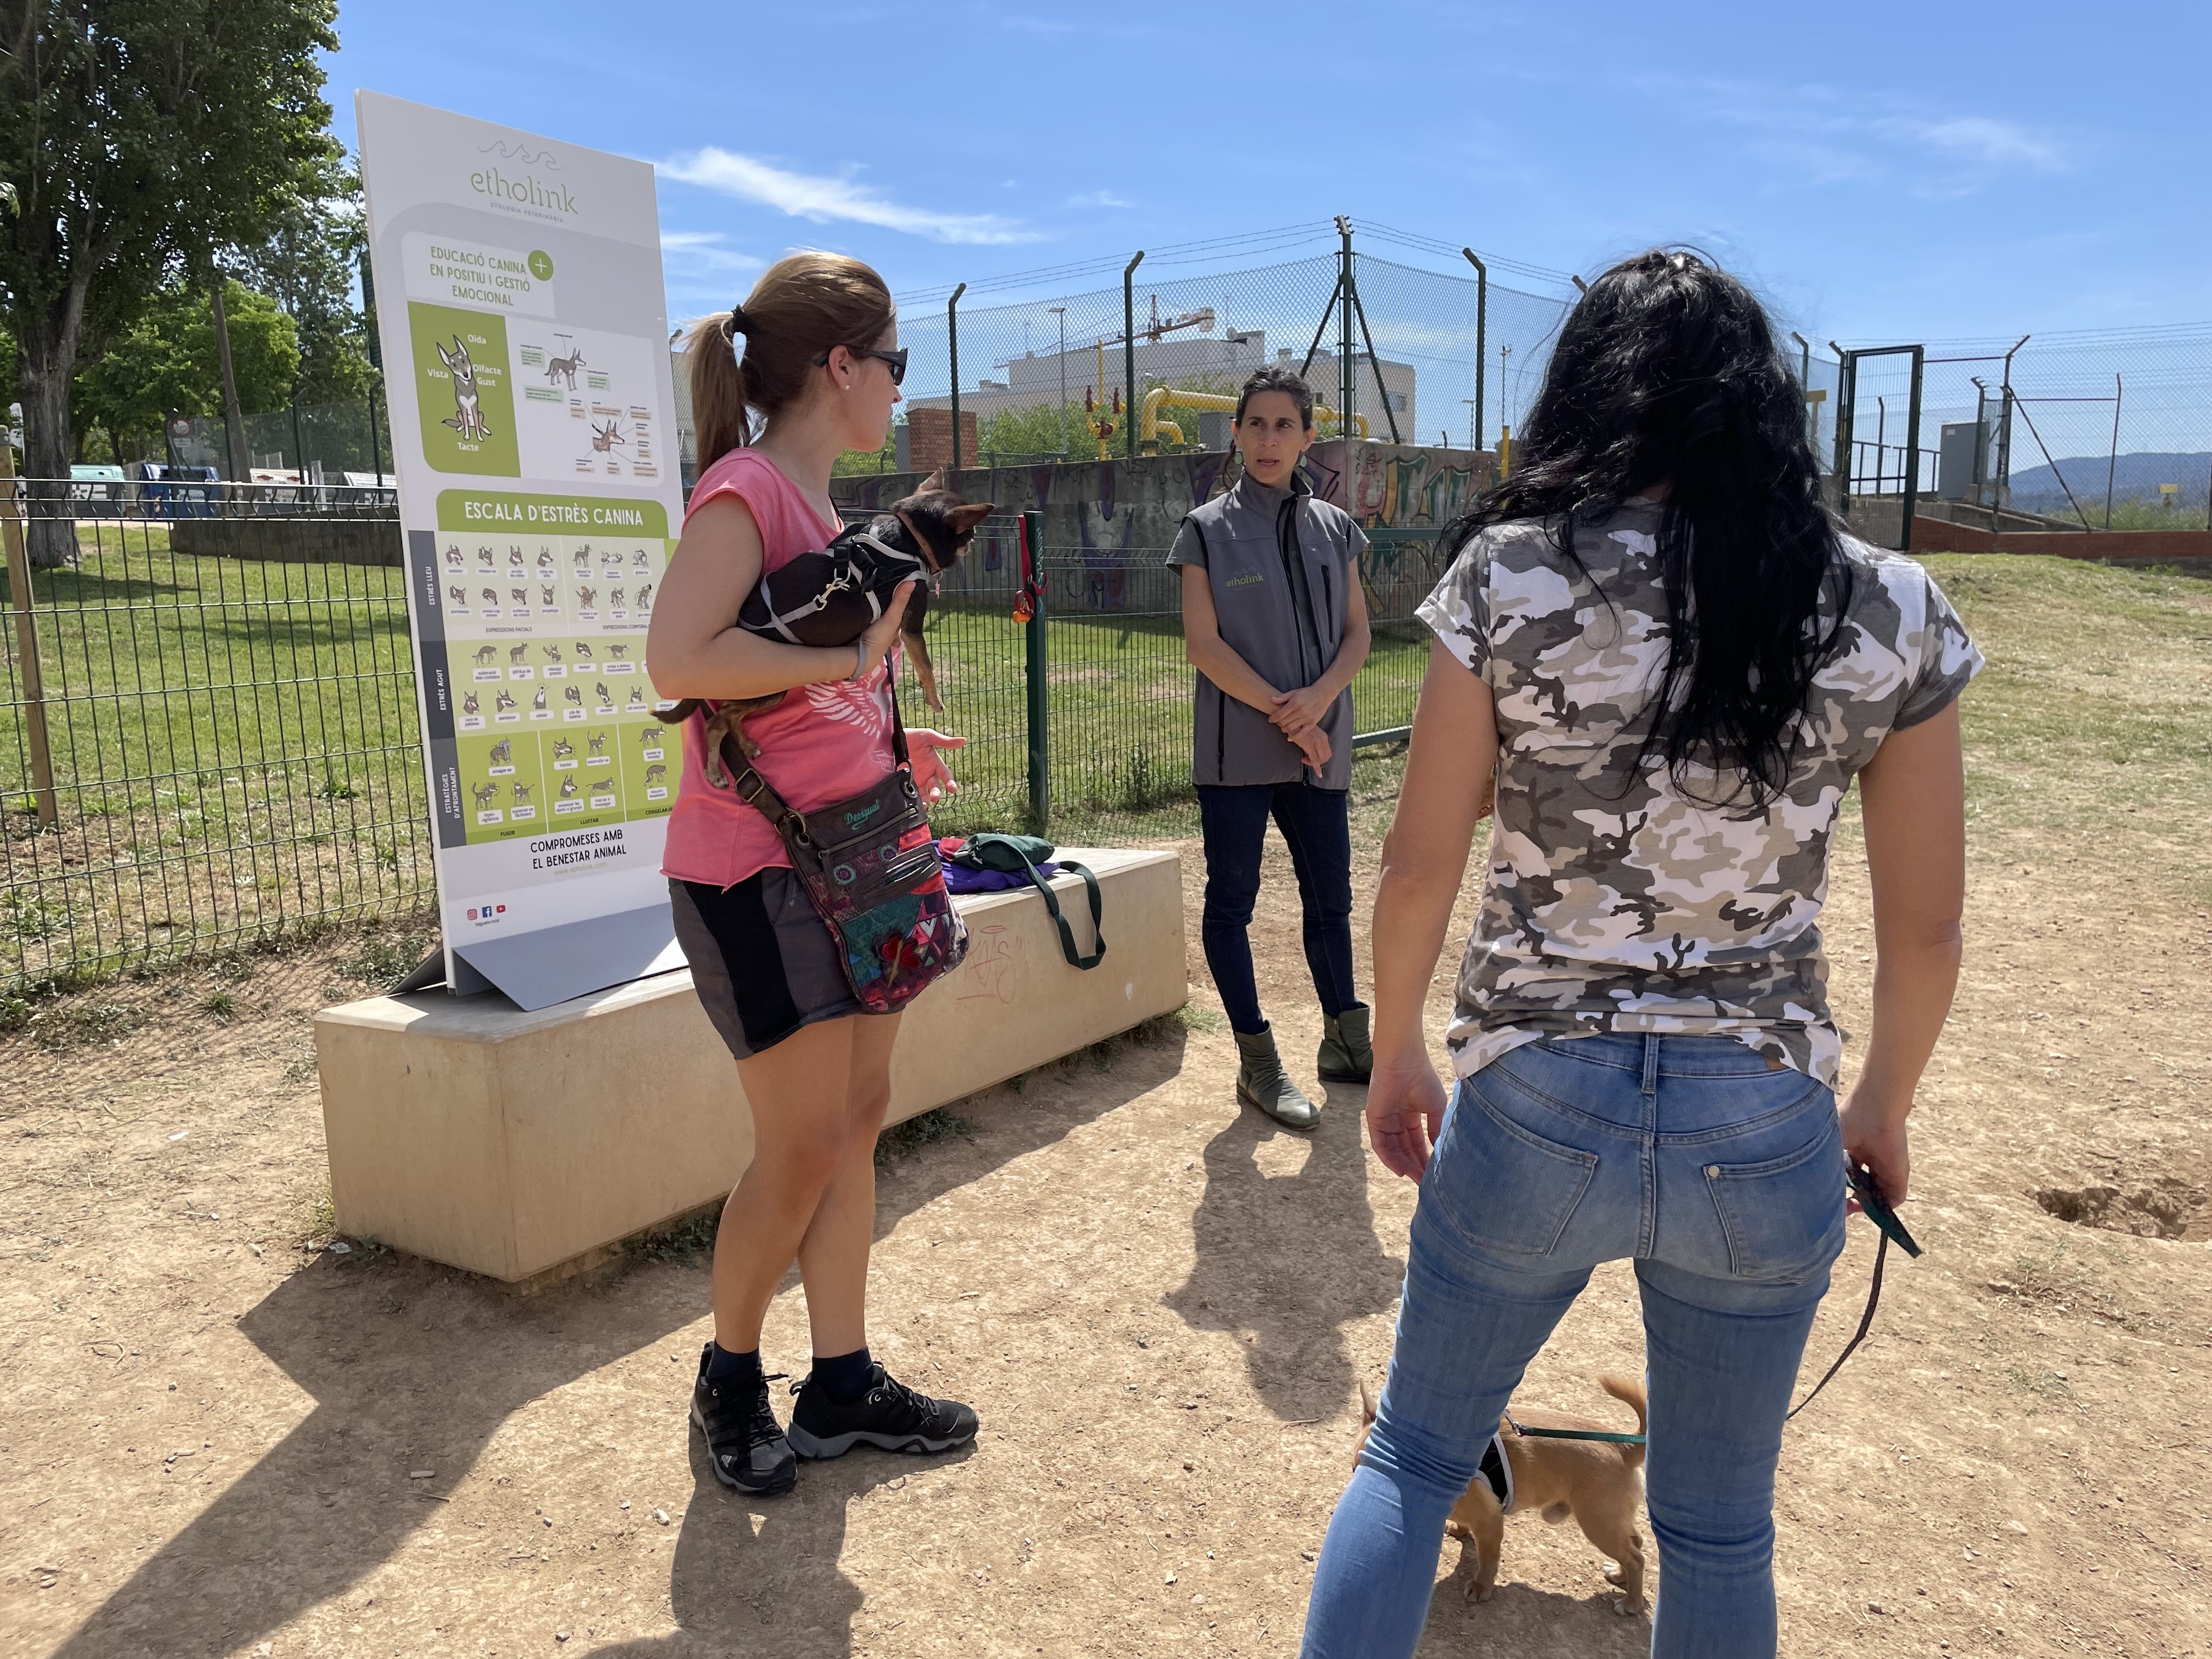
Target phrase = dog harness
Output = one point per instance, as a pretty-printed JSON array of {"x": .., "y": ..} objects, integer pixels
[
  {"x": 1497, "y": 1470},
  {"x": 853, "y": 572}
]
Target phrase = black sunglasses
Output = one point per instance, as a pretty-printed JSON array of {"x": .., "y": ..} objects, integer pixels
[{"x": 896, "y": 360}]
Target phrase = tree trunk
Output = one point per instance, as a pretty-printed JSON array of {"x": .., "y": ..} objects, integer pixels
[
  {"x": 52, "y": 543},
  {"x": 234, "y": 422}
]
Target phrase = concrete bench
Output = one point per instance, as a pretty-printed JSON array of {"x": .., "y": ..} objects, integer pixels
[{"x": 514, "y": 1143}]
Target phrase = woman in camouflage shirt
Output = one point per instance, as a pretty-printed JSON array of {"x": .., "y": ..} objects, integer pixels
[{"x": 1673, "y": 662}]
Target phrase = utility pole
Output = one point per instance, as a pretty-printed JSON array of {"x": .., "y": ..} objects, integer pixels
[
  {"x": 1061, "y": 312},
  {"x": 1473, "y": 418}
]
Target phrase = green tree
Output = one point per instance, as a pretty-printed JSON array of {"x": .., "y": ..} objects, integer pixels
[
  {"x": 167, "y": 363},
  {"x": 307, "y": 263},
  {"x": 144, "y": 140}
]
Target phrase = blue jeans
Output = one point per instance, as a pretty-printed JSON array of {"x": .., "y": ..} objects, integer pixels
[
  {"x": 1315, "y": 826},
  {"x": 1723, "y": 1179}
]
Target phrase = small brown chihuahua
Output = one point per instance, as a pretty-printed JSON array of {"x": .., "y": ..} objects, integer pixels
[
  {"x": 832, "y": 597},
  {"x": 1599, "y": 1483}
]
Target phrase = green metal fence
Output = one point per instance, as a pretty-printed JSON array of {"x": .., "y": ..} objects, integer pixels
[
  {"x": 207, "y": 732},
  {"x": 213, "y": 739}
]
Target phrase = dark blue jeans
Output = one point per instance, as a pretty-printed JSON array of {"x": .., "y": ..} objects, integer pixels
[{"x": 1316, "y": 827}]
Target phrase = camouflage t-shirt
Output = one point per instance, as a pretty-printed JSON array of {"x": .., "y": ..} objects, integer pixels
[{"x": 1613, "y": 903}]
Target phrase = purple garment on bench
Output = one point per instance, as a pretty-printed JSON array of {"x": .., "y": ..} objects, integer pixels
[{"x": 959, "y": 878}]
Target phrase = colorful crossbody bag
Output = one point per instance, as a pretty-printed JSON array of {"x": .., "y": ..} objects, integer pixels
[{"x": 872, "y": 868}]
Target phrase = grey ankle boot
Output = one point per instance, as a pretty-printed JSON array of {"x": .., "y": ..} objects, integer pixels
[
  {"x": 1261, "y": 1081},
  {"x": 1346, "y": 1055}
]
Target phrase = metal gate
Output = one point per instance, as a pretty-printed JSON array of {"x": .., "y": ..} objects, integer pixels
[{"x": 1879, "y": 461}]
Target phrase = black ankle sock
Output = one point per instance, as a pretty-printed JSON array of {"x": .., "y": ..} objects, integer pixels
[
  {"x": 723, "y": 1366},
  {"x": 847, "y": 1377}
]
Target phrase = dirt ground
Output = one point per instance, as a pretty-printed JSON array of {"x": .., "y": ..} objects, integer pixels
[{"x": 218, "y": 1436}]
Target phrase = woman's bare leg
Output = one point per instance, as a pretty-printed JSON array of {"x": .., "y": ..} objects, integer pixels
[
  {"x": 801, "y": 1095},
  {"x": 833, "y": 1257}
]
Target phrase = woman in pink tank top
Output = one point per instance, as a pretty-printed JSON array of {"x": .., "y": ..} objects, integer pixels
[{"x": 814, "y": 350}]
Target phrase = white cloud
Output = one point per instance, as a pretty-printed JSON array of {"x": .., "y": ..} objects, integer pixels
[
  {"x": 703, "y": 250},
  {"x": 1098, "y": 198},
  {"x": 1831, "y": 135},
  {"x": 1987, "y": 140},
  {"x": 810, "y": 196}
]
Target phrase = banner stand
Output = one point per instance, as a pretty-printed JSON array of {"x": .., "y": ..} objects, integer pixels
[
  {"x": 522, "y": 323},
  {"x": 536, "y": 970}
]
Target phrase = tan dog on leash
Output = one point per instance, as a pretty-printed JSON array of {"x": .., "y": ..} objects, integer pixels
[{"x": 1599, "y": 1483}]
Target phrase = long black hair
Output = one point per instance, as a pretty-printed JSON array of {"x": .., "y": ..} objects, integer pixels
[{"x": 1666, "y": 374}]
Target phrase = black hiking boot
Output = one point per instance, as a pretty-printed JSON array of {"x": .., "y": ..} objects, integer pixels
[
  {"x": 1346, "y": 1055},
  {"x": 748, "y": 1451},
  {"x": 1261, "y": 1082},
  {"x": 889, "y": 1415}
]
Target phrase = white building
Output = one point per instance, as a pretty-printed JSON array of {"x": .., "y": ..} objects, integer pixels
[{"x": 1203, "y": 362}]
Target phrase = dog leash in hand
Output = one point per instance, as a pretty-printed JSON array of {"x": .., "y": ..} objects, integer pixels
[
  {"x": 1877, "y": 1209},
  {"x": 1866, "y": 1323}
]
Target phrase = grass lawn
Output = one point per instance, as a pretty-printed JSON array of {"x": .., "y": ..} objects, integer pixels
[{"x": 236, "y": 751}]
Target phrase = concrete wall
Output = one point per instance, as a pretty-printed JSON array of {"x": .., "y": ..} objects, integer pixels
[
  {"x": 289, "y": 541},
  {"x": 2122, "y": 546},
  {"x": 1121, "y": 515}
]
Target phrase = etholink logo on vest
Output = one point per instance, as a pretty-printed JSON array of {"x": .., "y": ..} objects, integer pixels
[{"x": 527, "y": 190}]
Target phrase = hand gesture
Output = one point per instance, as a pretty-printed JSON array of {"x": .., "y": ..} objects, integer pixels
[
  {"x": 931, "y": 777},
  {"x": 882, "y": 633},
  {"x": 1874, "y": 1134},
  {"x": 1313, "y": 743},
  {"x": 1406, "y": 1106},
  {"x": 1300, "y": 710}
]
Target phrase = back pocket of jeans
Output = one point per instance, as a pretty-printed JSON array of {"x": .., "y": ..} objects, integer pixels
[
  {"x": 1784, "y": 1217},
  {"x": 1501, "y": 1186}
]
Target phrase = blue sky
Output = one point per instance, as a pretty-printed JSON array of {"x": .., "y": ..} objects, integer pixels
[{"x": 1886, "y": 171}]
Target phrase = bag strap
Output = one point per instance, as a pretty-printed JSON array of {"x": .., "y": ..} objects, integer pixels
[
  {"x": 756, "y": 792},
  {"x": 1075, "y": 959}
]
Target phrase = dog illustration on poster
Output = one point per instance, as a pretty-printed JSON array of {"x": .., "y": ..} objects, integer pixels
[{"x": 468, "y": 416}]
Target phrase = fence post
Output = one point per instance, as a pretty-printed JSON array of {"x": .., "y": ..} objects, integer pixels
[
  {"x": 1129, "y": 350},
  {"x": 1913, "y": 451},
  {"x": 27, "y": 641},
  {"x": 1040, "y": 733},
  {"x": 376, "y": 441},
  {"x": 1481, "y": 318},
  {"x": 952, "y": 346}
]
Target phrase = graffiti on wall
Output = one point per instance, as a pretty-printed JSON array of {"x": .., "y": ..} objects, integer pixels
[{"x": 1115, "y": 516}]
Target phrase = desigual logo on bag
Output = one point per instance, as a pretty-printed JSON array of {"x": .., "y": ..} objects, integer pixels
[{"x": 854, "y": 820}]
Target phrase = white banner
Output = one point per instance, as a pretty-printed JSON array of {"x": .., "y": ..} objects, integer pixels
[{"x": 525, "y": 339}]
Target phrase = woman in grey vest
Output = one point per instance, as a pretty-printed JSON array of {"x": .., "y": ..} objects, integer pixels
[
  {"x": 1675, "y": 663},
  {"x": 1274, "y": 622}
]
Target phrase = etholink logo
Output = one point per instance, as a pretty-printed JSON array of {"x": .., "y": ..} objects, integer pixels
[{"x": 528, "y": 190}]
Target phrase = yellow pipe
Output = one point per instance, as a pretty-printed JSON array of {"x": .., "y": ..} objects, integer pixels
[{"x": 1148, "y": 428}]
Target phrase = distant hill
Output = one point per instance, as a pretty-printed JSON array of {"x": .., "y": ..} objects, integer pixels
[{"x": 2134, "y": 476}]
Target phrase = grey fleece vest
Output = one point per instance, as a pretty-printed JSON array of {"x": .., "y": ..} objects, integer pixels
[{"x": 1279, "y": 564}]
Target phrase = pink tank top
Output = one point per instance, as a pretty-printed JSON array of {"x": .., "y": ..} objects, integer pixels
[{"x": 821, "y": 743}]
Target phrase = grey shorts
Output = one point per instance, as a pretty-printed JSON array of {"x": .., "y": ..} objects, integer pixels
[{"x": 764, "y": 962}]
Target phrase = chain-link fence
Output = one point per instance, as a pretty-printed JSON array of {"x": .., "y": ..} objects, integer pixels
[
  {"x": 208, "y": 730},
  {"x": 1418, "y": 357},
  {"x": 2090, "y": 430}
]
